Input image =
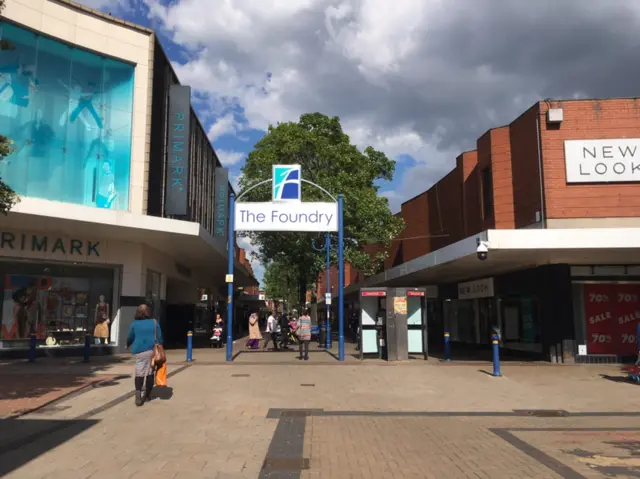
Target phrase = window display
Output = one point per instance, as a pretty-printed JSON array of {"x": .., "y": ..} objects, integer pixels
[
  {"x": 69, "y": 114},
  {"x": 612, "y": 312},
  {"x": 55, "y": 308}
]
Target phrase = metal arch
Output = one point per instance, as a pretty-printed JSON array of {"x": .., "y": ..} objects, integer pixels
[
  {"x": 303, "y": 180},
  {"x": 254, "y": 186},
  {"x": 321, "y": 188}
]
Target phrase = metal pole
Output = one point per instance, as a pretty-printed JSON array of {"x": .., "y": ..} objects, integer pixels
[
  {"x": 328, "y": 295},
  {"x": 495, "y": 340},
  {"x": 32, "y": 347},
  {"x": 189, "y": 346},
  {"x": 231, "y": 254},
  {"x": 340, "y": 278},
  {"x": 87, "y": 347},
  {"x": 447, "y": 347}
]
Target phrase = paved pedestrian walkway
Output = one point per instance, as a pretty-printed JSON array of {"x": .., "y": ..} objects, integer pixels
[{"x": 306, "y": 420}]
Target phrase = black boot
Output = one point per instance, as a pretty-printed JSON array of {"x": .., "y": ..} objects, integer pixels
[
  {"x": 139, "y": 383},
  {"x": 148, "y": 387}
]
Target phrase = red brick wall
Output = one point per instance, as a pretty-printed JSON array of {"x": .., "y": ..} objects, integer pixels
[
  {"x": 472, "y": 213},
  {"x": 524, "y": 165},
  {"x": 587, "y": 120},
  {"x": 445, "y": 210},
  {"x": 415, "y": 236},
  {"x": 502, "y": 179}
]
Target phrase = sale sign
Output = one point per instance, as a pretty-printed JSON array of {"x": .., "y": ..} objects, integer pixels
[
  {"x": 627, "y": 310},
  {"x": 599, "y": 307}
]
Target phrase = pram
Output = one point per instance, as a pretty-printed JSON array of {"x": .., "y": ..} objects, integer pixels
[{"x": 291, "y": 335}]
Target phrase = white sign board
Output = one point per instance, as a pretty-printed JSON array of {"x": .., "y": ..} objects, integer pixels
[
  {"x": 276, "y": 216},
  {"x": 602, "y": 161},
  {"x": 327, "y": 298},
  {"x": 582, "y": 349},
  {"x": 482, "y": 288}
]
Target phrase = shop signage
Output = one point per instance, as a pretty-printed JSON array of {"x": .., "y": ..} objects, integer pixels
[
  {"x": 374, "y": 293},
  {"x": 221, "y": 202},
  {"x": 286, "y": 211},
  {"x": 400, "y": 305},
  {"x": 482, "y": 288},
  {"x": 602, "y": 161},
  {"x": 415, "y": 293},
  {"x": 47, "y": 244},
  {"x": 178, "y": 150}
]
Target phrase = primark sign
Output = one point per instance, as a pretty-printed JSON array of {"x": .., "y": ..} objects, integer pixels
[{"x": 602, "y": 161}]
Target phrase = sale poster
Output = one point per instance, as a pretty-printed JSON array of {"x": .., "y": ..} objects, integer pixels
[
  {"x": 627, "y": 316},
  {"x": 599, "y": 311}
]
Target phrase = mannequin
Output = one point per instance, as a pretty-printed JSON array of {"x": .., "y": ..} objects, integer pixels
[{"x": 101, "y": 317}]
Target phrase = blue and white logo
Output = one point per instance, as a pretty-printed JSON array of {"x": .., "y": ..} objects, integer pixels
[{"x": 287, "y": 180}]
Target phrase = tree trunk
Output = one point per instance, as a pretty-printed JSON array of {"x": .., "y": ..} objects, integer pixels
[{"x": 302, "y": 283}]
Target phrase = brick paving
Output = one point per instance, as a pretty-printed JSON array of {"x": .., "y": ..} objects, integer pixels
[{"x": 304, "y": 420}]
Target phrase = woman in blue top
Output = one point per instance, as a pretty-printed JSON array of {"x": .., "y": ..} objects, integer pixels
[{"x": 144, "y": 334}]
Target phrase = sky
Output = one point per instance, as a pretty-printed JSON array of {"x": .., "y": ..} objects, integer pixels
[{"x": 420, "y": 80}]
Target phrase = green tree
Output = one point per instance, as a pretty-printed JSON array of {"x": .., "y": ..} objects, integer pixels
[
  {"x": 8, "y": 197},
  {"x": 327, "y": 157},
  {"x": 281, "y": 282}
]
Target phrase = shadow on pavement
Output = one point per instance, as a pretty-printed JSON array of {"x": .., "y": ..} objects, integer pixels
[
  {"x": 163, "y": 393},
  {"x": 618, "y": 379},
  {"x": 37, "y": 436}
]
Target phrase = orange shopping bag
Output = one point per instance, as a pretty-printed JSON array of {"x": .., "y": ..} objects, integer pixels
[{"x": 161, "y": 375}]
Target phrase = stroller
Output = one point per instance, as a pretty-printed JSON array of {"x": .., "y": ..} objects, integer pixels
[
  {"x": 216, "y": 338},
  {"x": 291, "y": 334}
]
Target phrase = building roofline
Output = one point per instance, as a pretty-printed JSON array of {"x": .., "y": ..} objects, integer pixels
[{"x": 103, "y": 16}]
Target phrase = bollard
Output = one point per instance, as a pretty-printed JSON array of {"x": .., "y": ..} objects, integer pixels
[
  {"x": 32, "y": 347},
  {"x": 189, "y": 347},
  {"x": 87, "y": 347},
  {"x": 495, "y": 340},
  {"x": 447, "y": 347}
]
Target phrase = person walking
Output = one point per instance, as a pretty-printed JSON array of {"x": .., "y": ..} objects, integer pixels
[
  {"x": 271, "y": 332},
  {"x": 254, "y": 332},
  {"x": 304, "y": 334},
  {"x": 284, "y": 330},
  {"x": 144, "y": 334}
]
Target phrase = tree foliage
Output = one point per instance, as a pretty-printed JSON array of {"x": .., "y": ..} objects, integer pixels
[
  {"x": 281, "y": 282},
  {"x": 8, "y": 197},
  {"x": 327, "y": 157}
]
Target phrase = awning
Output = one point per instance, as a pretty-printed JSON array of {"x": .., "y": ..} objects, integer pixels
[
  {"x": 187, "y": 242},
  {"x": 511, "y": 250}
]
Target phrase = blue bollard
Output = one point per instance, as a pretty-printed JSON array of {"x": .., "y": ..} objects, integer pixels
[
  {"x": 87, "y": 347},
  {"x": 495, "y": 340},
  {"x": 447, "y": 347},
  {"x": 189, "y": 347},
  {"x": 32, "y": 347}
]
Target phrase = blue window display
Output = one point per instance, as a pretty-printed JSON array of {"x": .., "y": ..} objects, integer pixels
[{"x": 69, "y": 114}]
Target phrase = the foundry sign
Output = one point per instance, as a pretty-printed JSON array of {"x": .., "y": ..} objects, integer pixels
[
  {"x": 47, "y": 244},
  {"x": 602, "y": 161}
]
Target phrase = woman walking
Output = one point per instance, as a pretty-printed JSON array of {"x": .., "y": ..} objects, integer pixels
[
  {"x": 254, "y": 332},
  {"x": 144, "y": 334},
  {"x": 304, "y": 334}
]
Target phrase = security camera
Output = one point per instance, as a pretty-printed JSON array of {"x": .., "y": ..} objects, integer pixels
[{"x": 482, "y": 251}]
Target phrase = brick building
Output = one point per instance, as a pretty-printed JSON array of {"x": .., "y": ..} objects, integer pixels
[{"x": 555, "y": 197}]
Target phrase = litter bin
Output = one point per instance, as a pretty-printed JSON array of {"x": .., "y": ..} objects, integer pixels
[{"x": 322, "y": 335}]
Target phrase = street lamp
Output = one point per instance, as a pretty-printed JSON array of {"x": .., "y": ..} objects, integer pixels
[{"x": 327, "y": 297}]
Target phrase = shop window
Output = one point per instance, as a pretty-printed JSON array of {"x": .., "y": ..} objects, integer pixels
[
  {"x": 60, "y": 307},
  {"x": 68, "y": 112},
  {"x": 519, "y": 322},
  {"x": 611, "y": 312},
  {"x": 487, "y": 193}
]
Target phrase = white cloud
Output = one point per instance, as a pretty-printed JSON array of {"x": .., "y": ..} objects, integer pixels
[
  {"x": 229, "y": 157},
  {"x": 224, "y": 125}
]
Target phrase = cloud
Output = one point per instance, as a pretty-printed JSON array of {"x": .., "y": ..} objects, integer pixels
[
  {"x": 230, "y": 158},
  {"x": 423, "y": 78}
]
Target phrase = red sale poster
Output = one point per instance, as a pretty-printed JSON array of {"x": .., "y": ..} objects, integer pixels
[
  {"x": 598, "y": 306},
  {"x": 627, "y": 298}
]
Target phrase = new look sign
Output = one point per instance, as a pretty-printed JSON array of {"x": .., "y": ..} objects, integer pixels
[
  {"x": 286, "y": 212},
  {"x": 602, "y": 161}
]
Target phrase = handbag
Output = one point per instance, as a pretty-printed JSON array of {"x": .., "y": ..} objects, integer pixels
[{"x": 159, "y": 357}]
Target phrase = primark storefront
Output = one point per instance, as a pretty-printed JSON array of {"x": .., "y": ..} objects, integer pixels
[{"x": 97, "y": 230}]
